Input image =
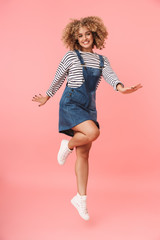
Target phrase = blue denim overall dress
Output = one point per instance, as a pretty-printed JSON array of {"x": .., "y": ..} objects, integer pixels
[{"x": 79, "y": 104}]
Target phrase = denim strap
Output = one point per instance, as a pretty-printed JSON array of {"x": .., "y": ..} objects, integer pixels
[
  {"x": 101, "y": 61},
  {"x": 80, "y": 57}
]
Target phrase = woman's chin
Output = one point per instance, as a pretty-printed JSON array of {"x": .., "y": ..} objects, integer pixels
[{"x": 86, "y": 48}]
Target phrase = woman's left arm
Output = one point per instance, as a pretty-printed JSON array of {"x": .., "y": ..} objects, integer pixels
[
  {"x": 126, "y": 90},
  {"x": 111, "y": 77}
]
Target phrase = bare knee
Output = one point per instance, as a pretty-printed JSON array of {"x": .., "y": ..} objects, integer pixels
[
  {"x": 88, "y": 129},
  {"x": 84, "y": 155},
  {"x": 93, "y": 134},
  {"x": 83, "y": 151}
]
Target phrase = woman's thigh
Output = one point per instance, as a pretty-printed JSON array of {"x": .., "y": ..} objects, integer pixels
[{"x": 87, "y": 128}]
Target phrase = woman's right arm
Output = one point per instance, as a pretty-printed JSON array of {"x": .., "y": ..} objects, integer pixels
[
  {"x": 60, "y": 75},
  {"x": 57, "y": 82}
]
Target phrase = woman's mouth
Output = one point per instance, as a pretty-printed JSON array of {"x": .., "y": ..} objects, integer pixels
[{"x": 86, "y": 42}]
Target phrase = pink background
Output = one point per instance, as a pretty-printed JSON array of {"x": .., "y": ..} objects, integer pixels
[{"x": 124, "y": 182}]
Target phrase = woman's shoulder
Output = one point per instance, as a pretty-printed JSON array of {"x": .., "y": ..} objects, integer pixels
[
  {"x": 105, "y": 58},
  {"x": 69, "y": 55}
]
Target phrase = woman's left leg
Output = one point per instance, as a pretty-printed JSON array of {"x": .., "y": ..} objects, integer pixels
[{"x": 82, "y": 167}]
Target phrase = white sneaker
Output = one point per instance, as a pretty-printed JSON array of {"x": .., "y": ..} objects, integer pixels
[
  {"x": 79, "y": 202},
  {"x": 63, "y": 153}
]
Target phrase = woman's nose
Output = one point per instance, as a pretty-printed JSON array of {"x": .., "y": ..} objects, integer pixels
[{"x": 84, "y": 38}]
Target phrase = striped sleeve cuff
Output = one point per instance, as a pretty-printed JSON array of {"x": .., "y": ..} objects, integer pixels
[
  {"x": 115, "y": 85},
  {"x": 49, "y": 94}
]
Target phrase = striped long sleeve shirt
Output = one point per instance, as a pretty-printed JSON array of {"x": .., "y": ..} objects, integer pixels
[{"x": 70, "y": 69}]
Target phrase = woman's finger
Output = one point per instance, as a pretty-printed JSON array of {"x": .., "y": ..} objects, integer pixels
[
  {"x": 35, "y": 96},
  {"x": 136, "y": 86},
  {"x": 40, "y": 104},
  {"x": 34, "y": 99}
]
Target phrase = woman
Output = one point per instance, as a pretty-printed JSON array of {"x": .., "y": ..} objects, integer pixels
[{"x": 77, "y": 113}]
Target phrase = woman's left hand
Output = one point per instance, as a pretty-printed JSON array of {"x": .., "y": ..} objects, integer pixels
[{"x": 128, "y": 89}]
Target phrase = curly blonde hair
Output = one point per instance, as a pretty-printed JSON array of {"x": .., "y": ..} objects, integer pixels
[{"x": 93, "y": 23}]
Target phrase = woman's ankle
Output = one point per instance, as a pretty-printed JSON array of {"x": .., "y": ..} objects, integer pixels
[{"x": 81, "y": 194}]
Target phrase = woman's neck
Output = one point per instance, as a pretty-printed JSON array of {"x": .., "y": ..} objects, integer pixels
[{"x": 87, "y": 50}]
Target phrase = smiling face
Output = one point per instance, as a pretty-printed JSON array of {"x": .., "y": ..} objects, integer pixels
[{"x": 85, "y": 39}]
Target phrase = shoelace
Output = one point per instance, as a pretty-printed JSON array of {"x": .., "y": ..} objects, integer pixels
[
  {"x": 83, "y": 207},
  {"x": 65, "y": 153}
]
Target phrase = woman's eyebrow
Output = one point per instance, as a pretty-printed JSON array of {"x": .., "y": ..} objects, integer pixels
[{"x": 84, "y": 33}]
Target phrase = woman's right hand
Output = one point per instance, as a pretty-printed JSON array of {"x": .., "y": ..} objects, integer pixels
[{"x": 42, "y": 100}]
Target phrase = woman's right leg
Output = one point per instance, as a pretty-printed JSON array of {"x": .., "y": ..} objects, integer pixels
[{"x": 86, "y": 132}]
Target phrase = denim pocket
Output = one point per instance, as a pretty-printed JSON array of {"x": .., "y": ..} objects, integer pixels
[{"x": 80, "y": 96}]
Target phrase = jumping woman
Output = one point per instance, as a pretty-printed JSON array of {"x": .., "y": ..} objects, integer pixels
[{"x": 83, "y": 69}]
